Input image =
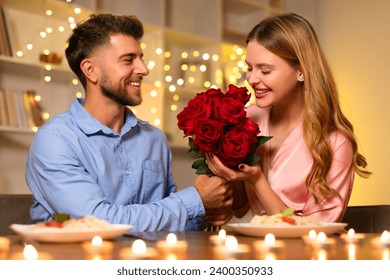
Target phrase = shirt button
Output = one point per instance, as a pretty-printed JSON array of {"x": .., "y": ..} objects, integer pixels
[{"x": 127, "y": 172}]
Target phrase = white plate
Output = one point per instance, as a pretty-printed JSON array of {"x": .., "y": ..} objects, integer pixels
[
  {"x": 60, "y": 235},
  {"x": 285, "y": 232}
]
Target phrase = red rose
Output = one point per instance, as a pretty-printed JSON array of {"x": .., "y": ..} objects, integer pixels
[
  {"x": 238, "y": 93},
  {"x": 208, "y": 134},
  {"x": 231, "y": 111},
  {"x": 237, "y": 145}
]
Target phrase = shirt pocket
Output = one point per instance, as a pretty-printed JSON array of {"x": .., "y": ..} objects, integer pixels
[{"x": 153, "y": 179}]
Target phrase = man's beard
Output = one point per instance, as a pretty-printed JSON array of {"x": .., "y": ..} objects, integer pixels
[{"x": 120, "y": 95}]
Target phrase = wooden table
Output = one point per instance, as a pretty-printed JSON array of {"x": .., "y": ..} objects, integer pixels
[{"x": 200, "y": 247}]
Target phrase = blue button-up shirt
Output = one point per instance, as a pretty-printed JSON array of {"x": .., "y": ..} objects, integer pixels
[{"x": 78, "y": 166}]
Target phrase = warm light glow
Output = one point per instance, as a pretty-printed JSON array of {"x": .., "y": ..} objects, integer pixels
[
  {"x": 231, "y": 242},
  {"x": 143, "y": 46},
  {"x": 38, "y": 98},
  {"x": 232, "y": 56},
  {"x": 222, "y": 234},
  {"x": 195, "y": 53},
  {"x": 203, "y": 68},
  {"x": 159, "y": 51},
  {"x": 151, "y": 64},
  {"x": 72, "y": 25},
  {"x": 77, "y": 10},
  {"x": 312, "y": 234},
  {"x": 184, "y": 55},
  {"x": 157, "y": 122},
  {"x": 322, "y": 255},
  {"x": 167, "y": 67},
  {"x": 153, "y": 93},
  {"x": 168, "y": 79},
  {"x": 385, "y": 236},
  {"x": 139, "y": 247},
  {"x": 321, "y": 237},
  {"x": 215, "y": 57},
  {"x": 61, "y": 28},
  {"x": 34, "y": 128},
  {"x": 153, "y": 110},
  {"x": 351, "y": 233},
  {"x": 47, "y": 79},
  {"x": 171, "y": 239},
  {"x": 157, "y": 84},
  {"x": 239, "y": 51},
  {"x": 75, "y": 82},
  {"x": 29, "y": 46},
  {"x": 206, "y": 56},
  {"x": 180, "y": 82},
  {"x": 269, "y": 239},
  {"x": 49, "y": 12},
  {"x": 48, "y": 67},
  {"x": 79, "y": 94},
  {"x": 193, "y": 68},
  {"x": 386, "y": 254},
  {"x": 46, "y": 51},
  {"x": 167, "y": 54},
  {"x": 207, "y": 84},
  {"x": 172, "y": 88},
  {"x": 184, "y": 67},
  {"x": 173, "y": 108},
  {"x": 71, "y": 19},
  {"x": 97, "y": 241},
  {"x": 351, "y": 251},
  {"x": 30, "y": 253},
  {"x": 49, "y": 30},
  {"x": 191, "y": 80},
  {"x": 42, "y": 34},
  {"x": 46, "y": 116},
  {"x": 176, "y": 97}
]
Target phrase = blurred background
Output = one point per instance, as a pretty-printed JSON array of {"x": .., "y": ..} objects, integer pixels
[{"x": 190, "y": 45}]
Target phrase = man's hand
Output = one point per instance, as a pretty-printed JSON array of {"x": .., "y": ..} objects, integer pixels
[{"x": 214, "y": 191}]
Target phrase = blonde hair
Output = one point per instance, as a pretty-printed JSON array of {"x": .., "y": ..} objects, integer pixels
[{"x": 292, "y": 38}]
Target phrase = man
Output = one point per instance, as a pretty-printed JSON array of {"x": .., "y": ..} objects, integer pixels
[{"x": 98, "y": 158}]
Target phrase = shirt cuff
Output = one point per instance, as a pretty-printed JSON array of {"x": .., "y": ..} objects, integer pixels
[{"x": 192, "y": 201}]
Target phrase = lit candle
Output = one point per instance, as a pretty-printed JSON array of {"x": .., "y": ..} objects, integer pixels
[
  {"x": 269, "y": 247},
  {"x": 30, "y": 253},
  {"x": 322, "y": 241},
  {"x": 383, "y": 240},
  {"x": 232, "y": 250},
  {"x": 218, "y": 239},
  {"x": 4, "y": 247},
  {"x": 352, "y": 237},
  {"x": 351, "y": 251},
  {"x": 138, "y": 251},
  {"x": 171, "y": 247},
  {"x": 311, "y": 237},
  {"x": 97, "y": 249}
]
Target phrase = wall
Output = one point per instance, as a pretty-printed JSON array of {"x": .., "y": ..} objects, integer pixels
[{"x": 355, "y": 35}]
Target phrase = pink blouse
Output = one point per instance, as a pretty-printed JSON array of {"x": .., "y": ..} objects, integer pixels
[{"x": 287, "y": 172}]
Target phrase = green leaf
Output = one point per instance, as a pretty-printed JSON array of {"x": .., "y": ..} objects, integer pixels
[
  {"x": 197, "y": 163},
  {"x": 288, "y": 212},
  {"x": 60, "y": 217},
  {"x": 263, "y": 139},
  {"x": 255, "y": 159}
]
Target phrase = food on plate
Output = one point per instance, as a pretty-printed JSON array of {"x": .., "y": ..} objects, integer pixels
[
  {"x": 66, "y": 222},
  {"x": 286, "y": 218}
]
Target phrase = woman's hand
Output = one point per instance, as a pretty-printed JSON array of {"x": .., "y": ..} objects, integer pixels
[{"x": 247, "y": 173}]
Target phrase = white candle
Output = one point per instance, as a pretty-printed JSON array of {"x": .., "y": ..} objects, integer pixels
[
  {"x": 218, "y": 239},
  {"x": 352, "y": 237},
  {"x": 383, "y": 240},
  {"x": 269, "y": 248},
  {"x": 97, "y": 249},
  {"x": 138, "y": 251},
  {"x": 232, "y": 250},
  {"x": 172, "y": 248}
]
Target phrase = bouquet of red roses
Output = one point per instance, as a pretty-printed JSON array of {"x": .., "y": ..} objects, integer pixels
[{"x": 216, "y": 122}]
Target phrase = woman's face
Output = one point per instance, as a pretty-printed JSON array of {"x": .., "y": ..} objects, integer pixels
[{"x": 274, "y": 81}]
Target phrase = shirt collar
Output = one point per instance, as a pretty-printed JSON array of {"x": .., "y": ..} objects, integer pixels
[{"x": 90, "y": 125}]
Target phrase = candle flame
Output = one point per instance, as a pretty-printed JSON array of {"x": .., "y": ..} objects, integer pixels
[
  {"x": 30, "y": 253},
  {"x": 171, "y": 239},
  {"x": 269, "y": 239},
  {"x": 231, "y": 242},
  {"x": 312, "y": 234},
  {"x": 139, "y": 247},
  {"x": 385, "y": 236},
  {"x": 321, "y": 237},
  {"x": 97, "y": 241},
  {"x": 351, "y": 233},
  {"x": 222, "y": 234}
]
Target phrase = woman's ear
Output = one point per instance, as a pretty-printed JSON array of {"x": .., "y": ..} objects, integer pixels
[
  {"x": 300, "y": 77},
  {"x": 89, "y": 70}
]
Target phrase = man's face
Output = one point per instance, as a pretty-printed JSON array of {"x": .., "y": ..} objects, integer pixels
[{"x": 120, "y": 68}]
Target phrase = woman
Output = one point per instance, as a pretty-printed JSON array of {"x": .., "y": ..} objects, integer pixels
[{"x": 309, "y": 163}]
